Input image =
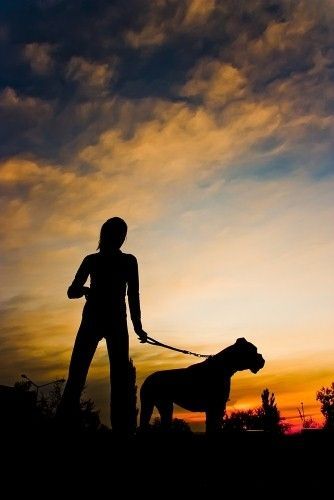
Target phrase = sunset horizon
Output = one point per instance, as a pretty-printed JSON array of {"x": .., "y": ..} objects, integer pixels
[{"x": 208, "y": 127}]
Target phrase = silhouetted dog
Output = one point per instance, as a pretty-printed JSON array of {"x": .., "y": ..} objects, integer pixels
[{"x": 200, "y": 387}]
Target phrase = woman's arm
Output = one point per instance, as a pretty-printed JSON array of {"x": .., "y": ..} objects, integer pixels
[
  {"x": 77, "y": 288},
  {"x": 133, "y": 298}
]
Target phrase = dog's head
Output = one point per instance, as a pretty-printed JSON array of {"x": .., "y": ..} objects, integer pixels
[{"x": 240, "y": 356}]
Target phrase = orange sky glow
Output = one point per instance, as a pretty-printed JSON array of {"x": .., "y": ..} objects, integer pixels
[{"x": 222, "y": 167}]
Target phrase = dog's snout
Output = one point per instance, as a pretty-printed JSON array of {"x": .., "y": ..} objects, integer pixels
[{"x": 261, "y": 361}]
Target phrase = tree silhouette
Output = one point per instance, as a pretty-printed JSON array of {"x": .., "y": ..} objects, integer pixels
[
  {"x": 41, "y": 412},
  {"x": 326, "y": 398},
  {"x": 133, "y": 410},
  {"x": 307, "y": 421},
  {"x": 269, "y": 414},
  {"x": 89, "y": 416},
  {"x": 241, "y": 420},
  {"x": 267, "y": 417},
  {"x": 54, "y": 395},
  {"x": 22, "y": 386},
  {"x": 18, "y": 407},
  {"x": 47, "y": 403}
]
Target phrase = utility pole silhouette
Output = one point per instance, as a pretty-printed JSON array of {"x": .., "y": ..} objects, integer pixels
[{"x": 302, "y": 414}]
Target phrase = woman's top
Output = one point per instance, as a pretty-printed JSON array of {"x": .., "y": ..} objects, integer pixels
[{"x": 112, "y": 276}]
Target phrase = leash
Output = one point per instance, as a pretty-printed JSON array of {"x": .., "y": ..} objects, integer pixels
[{"x": 155, "y": 342}]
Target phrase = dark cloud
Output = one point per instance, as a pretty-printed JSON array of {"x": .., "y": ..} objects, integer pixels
[
  {"x": 71, "y": 59},
  {"x": 181, "y": 112}
]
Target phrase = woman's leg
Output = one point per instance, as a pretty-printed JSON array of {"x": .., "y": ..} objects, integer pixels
[
  {"x": 121, "y": 402},
  {"x": 83, "y": 351}
]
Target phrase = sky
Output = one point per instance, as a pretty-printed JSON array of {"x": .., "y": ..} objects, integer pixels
[{"x": 207, "y": 125}]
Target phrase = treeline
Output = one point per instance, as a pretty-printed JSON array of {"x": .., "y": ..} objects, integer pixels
[{"x": 20, "y": 408}]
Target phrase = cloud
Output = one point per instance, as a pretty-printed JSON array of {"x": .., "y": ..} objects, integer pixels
[
  {"x": 215, "y": 82},
  {"x": 39, "y": 57},
  {"x": 223, "y": 54},
  {"x": 21, "y": 116},
  {"x": 208, "y": 128},
  {"x": 27, "y": 105},
  {"x": 148, "y": 36},
  {"x": 91, "y": 76},
  {"x": 165, "y": 20},
  {"x": 185, "y": 154},
  {"x": 178, "y": 141}
]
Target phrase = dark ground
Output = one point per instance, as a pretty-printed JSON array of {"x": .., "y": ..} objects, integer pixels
[{"x": 248, "y": 464}]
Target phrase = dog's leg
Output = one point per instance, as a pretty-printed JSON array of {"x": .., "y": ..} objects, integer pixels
[
  {"x": 146, "y": 411},
  {"x": 165, "y": 409},
  {"x": 214, "y": 419}
]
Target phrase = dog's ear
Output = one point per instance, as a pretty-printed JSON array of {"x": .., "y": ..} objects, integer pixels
[{"x": 241, "y": 341}]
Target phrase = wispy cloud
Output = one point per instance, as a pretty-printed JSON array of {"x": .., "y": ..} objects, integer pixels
[{"x": 208, "y": 128}]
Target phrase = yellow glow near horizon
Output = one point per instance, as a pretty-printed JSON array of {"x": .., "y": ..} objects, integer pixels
[{"x": 223, "y": 174}]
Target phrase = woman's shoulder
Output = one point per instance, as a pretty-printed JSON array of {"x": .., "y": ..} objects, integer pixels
[
  {"x": 91, "y": 258},
  {"x": 131, "y": 259}
]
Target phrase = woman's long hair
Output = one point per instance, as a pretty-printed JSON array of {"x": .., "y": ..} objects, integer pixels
[{"x": 112, "y": 235}]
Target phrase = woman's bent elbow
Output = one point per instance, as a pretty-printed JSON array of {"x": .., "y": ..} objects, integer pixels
[{"x": 72, "y": 294}]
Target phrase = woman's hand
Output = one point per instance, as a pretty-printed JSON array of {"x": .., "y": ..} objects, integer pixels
[{"x": 142, "y": 336}]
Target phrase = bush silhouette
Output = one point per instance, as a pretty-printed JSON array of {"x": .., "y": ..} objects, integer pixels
[
  {"x": 267, "y": 417},
  {"x": 178, "y": 426},
  {"x": 21, "y": 410},
  {"x": 326, "y": 398}
]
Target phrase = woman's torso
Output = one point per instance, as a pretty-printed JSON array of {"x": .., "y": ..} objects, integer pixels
[{"x": 108, "y": 282}]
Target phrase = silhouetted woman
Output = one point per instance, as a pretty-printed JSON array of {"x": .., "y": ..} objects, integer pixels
[{"x": 113, "y": 274}]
